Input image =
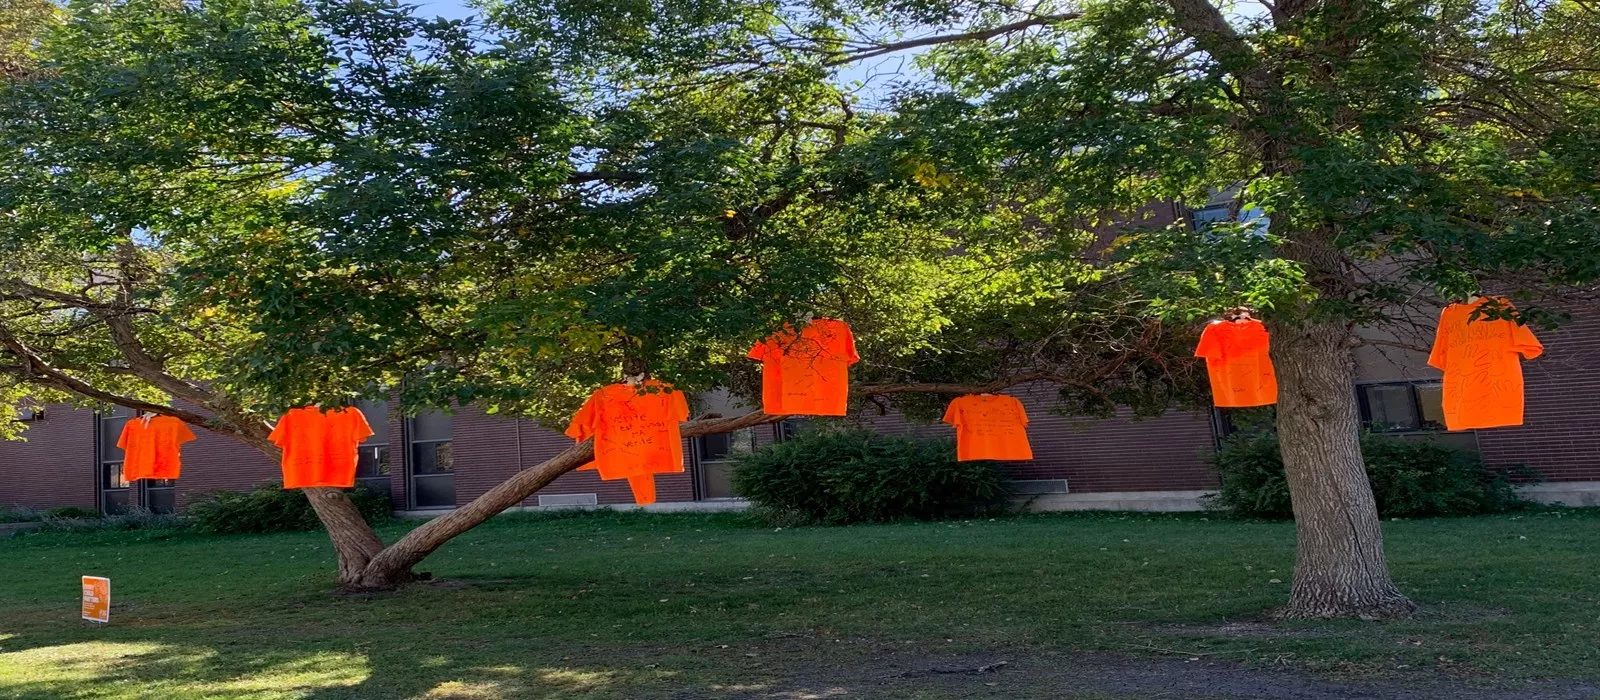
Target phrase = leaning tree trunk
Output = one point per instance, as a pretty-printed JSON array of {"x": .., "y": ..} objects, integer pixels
[
  {"x": 1340, "y": 569},
  {"x": 392, "y": 566}
]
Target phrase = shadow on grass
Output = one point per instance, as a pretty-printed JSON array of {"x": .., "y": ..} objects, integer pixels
[{"x": 651, "y": 606}]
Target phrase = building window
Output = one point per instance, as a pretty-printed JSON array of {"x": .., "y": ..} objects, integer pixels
[
  {"x": 432, "y": 461},
  {"x": 1202, "y": 219},
  {"x": 1255, "y": 421},
  {"x": 1402, "y": 407},
  {"x": 716, "y": 454},
  {"x": 787, "y": 428},
  {"x": 116, "y": 494},
  {"x": 372, "y": 458}
]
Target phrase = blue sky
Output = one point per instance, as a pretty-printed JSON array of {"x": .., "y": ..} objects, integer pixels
[{"x": 451, "y": 9}]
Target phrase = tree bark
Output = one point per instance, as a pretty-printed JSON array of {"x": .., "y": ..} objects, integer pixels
[
  {"x": 354, "y": 542},
  {"x": 1340, "y": 570}
]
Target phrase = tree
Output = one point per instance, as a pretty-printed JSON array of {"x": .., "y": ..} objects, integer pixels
[
  {"x": 219, "y": 211},
  {"x": 1403, "y": 153}
]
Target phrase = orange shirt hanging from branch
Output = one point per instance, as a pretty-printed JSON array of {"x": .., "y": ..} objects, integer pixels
[
  {"x": 989, "y": 426},
  {"x": 807, "y": 373},
  {"x": 1238, "y": 363},
  {"x": 635, "y": 431},
  {"x": 150, "y": 447},
  {"x": 1482, "y": 367},
  {"x": 319, "y": 447}
]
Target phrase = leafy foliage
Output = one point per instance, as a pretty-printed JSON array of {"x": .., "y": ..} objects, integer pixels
[
  {"x": 1411, "y": 478},
  {"x": 840, "y": 476},
  {"x": 271, "y": 508}
]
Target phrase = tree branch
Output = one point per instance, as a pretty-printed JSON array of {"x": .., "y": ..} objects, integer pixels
[
  {"x": 36, "y": 369},
  {"x": 976, "y": 35}
]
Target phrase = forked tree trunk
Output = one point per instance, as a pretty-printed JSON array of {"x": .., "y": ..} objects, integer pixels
[
  {"x": 354, "y": 542},
  {"x": 1340, "y": 570}
]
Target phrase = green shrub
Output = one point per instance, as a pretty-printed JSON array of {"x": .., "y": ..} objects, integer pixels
[
  {"x": 19, "y": 514},
  {"x": 1411, "y": 478},
  {"x": 135, "y": 518},
  {"x": 271, "y": 508},
  {"x": 839, "y": 476},
  {"x": 70, "y": 512}
]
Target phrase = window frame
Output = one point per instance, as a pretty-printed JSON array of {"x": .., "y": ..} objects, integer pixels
[
  {"x": 379, "y": 440},
  {"x": 411, "y": 463},
  {"x": 130, "y": 490},
  {"x": 1364, "y": 405},
  {"x": 702, "y": 460}
]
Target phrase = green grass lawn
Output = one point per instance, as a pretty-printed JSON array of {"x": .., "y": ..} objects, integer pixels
[{"x": 614, "y": 605}]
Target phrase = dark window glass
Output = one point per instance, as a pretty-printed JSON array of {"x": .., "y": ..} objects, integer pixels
[
  {"x": 377, "y": 415},
  {"x": 372, "y": 462},
  {"x": 1430, "y": 405},
  {"x": 112, "y": 476},
  {"x": 115, "y": 492},
  {"x": 1391, "y": 407},
  {"x": 1204, "y": 218},
  {"x": 789, "y": 427},
  {"x": 432, "y": 464},
  {"x": 160, "y": 500},
  {"x": 433, "y": 491},
  {"x": 430, "y": 426},
  {"x": 110, "y": 430},
  {"x": 720, "y": 446},
  {"x": 432, "y": 458},
  {"x": 1400, "y": 407},
  {"x": 114, "y": 502},
  {"x": 1258, "y": 420}
]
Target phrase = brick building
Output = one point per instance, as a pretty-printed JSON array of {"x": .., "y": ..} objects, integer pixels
[{"x": 437, "y": 461}]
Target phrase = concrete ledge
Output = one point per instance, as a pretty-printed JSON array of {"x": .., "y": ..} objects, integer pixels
[
  {"x": 1578, "y": 494},
  {"x": 1149, "y": 501}
]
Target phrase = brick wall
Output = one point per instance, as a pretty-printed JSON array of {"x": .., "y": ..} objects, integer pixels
[
  {"x": 1167, "y": 453},
  {"x": 215, "y": 462},
  {"x": 55, "y": 466},
  {"x": 1560, "y": 435}
]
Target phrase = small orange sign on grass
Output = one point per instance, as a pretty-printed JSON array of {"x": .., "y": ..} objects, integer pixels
[{"x": 97, "y": 598}]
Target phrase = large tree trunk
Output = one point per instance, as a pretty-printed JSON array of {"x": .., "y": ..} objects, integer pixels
[
  {"x": 354, "y": 542},
  {"x": 1340, "y": 569}
]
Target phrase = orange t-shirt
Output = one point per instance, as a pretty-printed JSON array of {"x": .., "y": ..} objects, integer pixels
[
  {"x": 319, "y": 447},
  {"x": 150, "y": 447},
  {"x": 635, "y": 433},
  {"x": 1482, "y": 373},
  {"x": 807, "y": 374},
  {"x": 989, "y": 426},
  {"x": 1237, "y": 360}
]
